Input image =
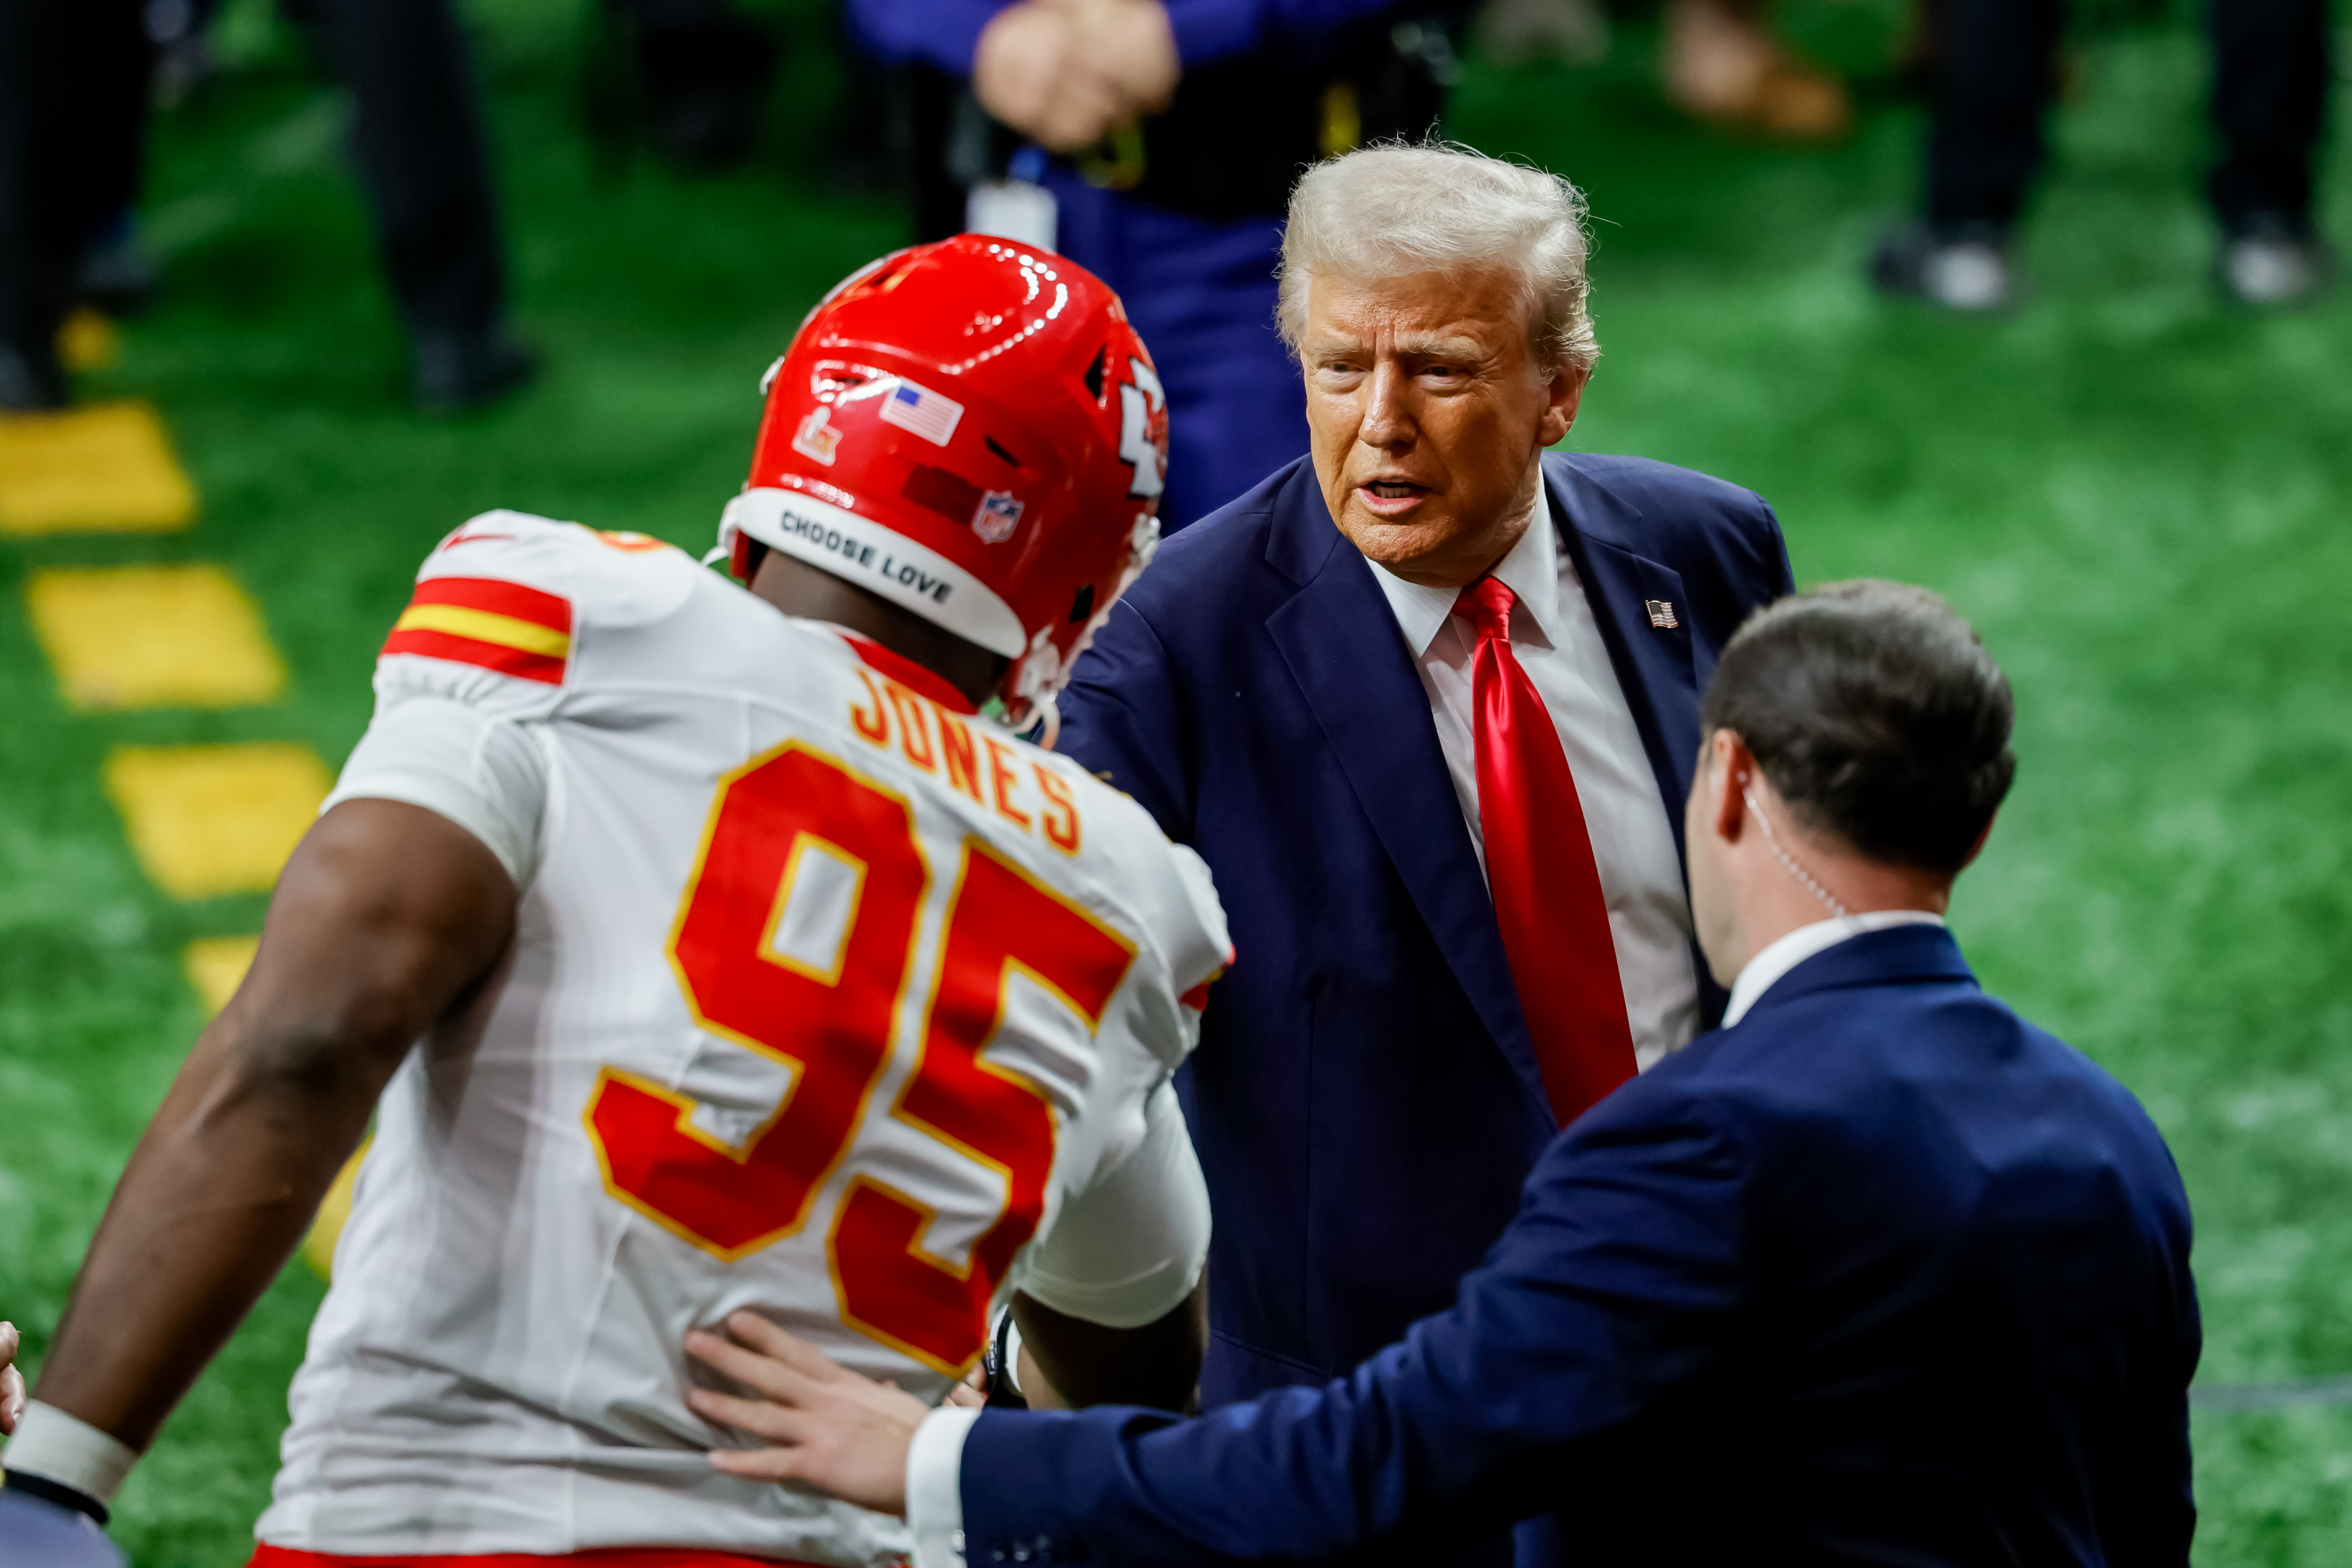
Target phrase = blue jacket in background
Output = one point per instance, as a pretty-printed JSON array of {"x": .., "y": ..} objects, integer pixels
[
  {"x": 1882, "y": 1275},
  {"x": 944, "y": 33}
]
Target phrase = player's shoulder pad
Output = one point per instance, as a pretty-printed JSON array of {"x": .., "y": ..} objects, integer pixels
[
  {"x": 504, "y": 602},
  {"x": 1168, "y": 887}
]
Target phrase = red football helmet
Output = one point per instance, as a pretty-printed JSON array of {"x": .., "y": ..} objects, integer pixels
[{"x": 973, "y": 431}]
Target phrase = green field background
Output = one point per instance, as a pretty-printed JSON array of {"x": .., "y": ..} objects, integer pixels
[{"x": 2142, "y": 497}]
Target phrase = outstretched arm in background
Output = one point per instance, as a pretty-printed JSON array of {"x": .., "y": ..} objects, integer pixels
[{"x": 388, "y": 920}]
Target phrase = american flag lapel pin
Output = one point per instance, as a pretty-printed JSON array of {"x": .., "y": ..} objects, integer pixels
[{"x": 1662, "y": 613}]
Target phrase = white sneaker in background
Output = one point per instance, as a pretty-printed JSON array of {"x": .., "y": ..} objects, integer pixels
[
  {"x": 2271, "y": 267},
  {"x": 1967, "y": 276},
  {"x": 1969, "y": 271}
]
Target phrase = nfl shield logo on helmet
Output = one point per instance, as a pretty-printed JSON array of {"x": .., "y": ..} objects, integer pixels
[{"x": 996, "y": 517}]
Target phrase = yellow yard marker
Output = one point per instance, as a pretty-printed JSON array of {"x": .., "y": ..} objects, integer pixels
[
  {"x": 87, "y": 341},
  {"x": 215, "y": 965},
  {"x": 106, "y": 469},
  {"x": 154, "y": 637},
  {"x": 208, "y": 820}
]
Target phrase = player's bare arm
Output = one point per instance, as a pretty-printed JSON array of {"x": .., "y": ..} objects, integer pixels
[
  {"x": 388, "y": 922},
  {"x": 1068, "y": 1362}
]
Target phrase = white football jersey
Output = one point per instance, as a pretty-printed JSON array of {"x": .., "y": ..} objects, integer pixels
[{"x": 827, "y": 999}]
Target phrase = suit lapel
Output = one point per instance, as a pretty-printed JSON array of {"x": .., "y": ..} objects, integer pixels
[
  {"x": 1339, "y": 640},
  {"x": 1654, "y": 663}
]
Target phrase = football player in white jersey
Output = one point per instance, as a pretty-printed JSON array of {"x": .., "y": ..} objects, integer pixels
[{"x": 704, "y": 952}]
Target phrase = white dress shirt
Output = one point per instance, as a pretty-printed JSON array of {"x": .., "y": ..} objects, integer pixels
[
  {"x": 1765, "y": 969},
  {"x": 1556, "y": 641},
  {"x": 935, "y": 1487}
]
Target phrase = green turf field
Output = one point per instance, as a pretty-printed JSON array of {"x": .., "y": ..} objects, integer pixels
[{"x": 2144, "y": 499}]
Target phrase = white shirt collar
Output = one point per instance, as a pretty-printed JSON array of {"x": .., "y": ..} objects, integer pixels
[
  {"x": 1531, "y": 571},
  {"x": 1766, "y": 969}
]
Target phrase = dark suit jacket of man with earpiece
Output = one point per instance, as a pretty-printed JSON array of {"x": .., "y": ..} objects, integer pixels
[
  {"x": 1881, "y": 1274},
  {"x": 1365, "y": 1099}
]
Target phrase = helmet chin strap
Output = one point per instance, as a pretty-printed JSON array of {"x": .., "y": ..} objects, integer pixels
[
  {"x": 1789, "y": 861},
  {"x": 1039, "y": 723},
  {"x": 1046, "y": 710}
]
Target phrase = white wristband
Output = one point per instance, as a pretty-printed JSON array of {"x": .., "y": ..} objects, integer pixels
[{"x": 68, "y": 1450}]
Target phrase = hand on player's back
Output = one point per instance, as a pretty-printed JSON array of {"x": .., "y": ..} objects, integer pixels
[
  {"x": 832, "y": 1429},
  {"x": 12, "y": 1382}
]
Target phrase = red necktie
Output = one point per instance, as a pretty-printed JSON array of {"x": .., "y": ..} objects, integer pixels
[{"x": 1540, "y": 865}]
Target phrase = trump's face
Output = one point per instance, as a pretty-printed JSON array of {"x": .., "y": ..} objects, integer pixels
[{"x": 1428, "y": 408}]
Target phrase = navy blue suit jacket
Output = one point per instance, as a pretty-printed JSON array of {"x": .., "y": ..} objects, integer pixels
[
  {"x": 1365, "y": 1099},
  {"x": 1884, "y": 1273}
]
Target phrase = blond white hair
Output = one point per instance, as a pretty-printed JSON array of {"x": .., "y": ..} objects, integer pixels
[{"x": 1395, "y": 208}]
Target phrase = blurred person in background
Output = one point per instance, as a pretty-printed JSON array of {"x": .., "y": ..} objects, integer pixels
[
  {"x": 1520, "y": 32},
  {"x": 1717, "y": 60},
  {"x": 75, "y": 84},
  {"x": 73, "y": 116},
  {"x": 422, "y": 154},
  {"x": 1721, "y": 64},
  {"x": 1155, "y": 144},
  {"x": 1993, "y": 76},
  {"x": 703, "y": 70}
]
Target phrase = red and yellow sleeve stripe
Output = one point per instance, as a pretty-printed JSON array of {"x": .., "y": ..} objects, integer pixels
[
  {"x": 500, "y": 625},
  {"x": 1197, "y": 998}
]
